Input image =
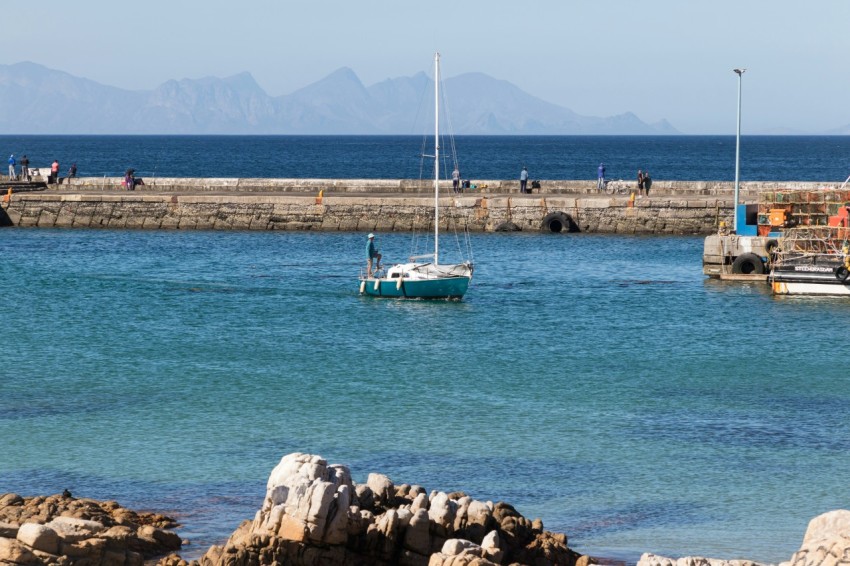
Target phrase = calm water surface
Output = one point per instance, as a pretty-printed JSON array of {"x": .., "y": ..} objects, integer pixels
[
  {"x": 681, "y": 158},
  {"x": 598, "y": 382}
]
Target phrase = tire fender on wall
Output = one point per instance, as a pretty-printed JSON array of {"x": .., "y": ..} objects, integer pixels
[
  {"x": 507, "y": 226},
  {"x": 770, "y": 247},
  {"x": 748, "y": 264},
  {"x": 557, "y": 222}
]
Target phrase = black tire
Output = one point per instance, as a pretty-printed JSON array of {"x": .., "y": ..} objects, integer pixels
[
  {"x": 748, "y": 264},
  {"x": 557, "y": 222},
  {"x": 770, "y": 247},
  {"x": 507, "y": 226},
  {"x": 842, "y": 273}
]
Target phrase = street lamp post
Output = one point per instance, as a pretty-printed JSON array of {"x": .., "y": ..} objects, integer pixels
[{"x": 738, "y": 72}]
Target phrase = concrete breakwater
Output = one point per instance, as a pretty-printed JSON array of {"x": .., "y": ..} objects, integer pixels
[
  {"x": 375, "y": 205},
  {"x": 364, "y": 213},
  {"x": 748, "y": 189}
]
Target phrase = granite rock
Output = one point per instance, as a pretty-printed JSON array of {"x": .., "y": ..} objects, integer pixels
[
  {"x": 39, "y": 537},
  {"x": 63, "y": 530},
  {"x": 825, "y": 543},
  {"x": 313, "y": 513}
]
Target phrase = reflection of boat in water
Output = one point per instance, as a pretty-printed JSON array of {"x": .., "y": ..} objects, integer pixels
[
  {"x": 812, "y": 261},
  {"x": 417, "y": 279}
]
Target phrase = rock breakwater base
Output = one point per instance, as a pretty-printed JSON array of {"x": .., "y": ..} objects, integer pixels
[{"x": 313, "y": 514}]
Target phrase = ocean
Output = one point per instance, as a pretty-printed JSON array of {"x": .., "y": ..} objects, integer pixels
[
  {"x": 682, "y": 158},
  {"x": 600, "y": 383}
]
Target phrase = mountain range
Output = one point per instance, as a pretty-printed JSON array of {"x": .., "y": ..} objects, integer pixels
[{"x": 37, "y": 100}]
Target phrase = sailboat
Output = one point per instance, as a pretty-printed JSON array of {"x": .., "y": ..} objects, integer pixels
[{"x": 420, "y": 278}]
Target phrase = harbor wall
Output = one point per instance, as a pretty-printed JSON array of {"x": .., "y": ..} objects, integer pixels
[
  {"x": 748, "y": 189},
  {"x": 478, "y": 213},
  {"x": 673, "y": 207}
]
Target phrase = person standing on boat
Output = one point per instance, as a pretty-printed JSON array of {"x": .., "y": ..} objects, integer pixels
[
  {"x": 456, "y": 180},
  {"x": 523, "y": 179},
  {"x": 12, "y": 164},
  {"x": 600, "y": 177},
  {"x": 372, "y": 254}
]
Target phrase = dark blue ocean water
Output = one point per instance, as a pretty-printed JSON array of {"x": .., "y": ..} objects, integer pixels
[
  {"x": 710, "y": 158},
  {"x": 598, "y": 382}
]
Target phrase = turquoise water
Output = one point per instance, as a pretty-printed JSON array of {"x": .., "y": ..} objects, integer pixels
[{"x": 598, "y": 382}]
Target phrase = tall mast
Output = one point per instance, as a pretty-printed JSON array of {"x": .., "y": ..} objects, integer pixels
[{"x": 436, "y": 158}]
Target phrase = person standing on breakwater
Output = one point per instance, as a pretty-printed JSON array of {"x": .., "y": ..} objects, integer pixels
[
  {"x": 456, "y": 180},
  {"x": 25, "y": 168},
  {"x": 600, "y": 177},
  {"x": 372, "y": 253},
  {"x": 640, "y": 181},
  {"x": 523, "y": 179},
  {"x": 12, "y": 167},
  {"x": 130, "y": 180},
  {"x": 54, "y": 171},
  {"x": 647, "y": 182},
  {"x": 72, "y": 172}
]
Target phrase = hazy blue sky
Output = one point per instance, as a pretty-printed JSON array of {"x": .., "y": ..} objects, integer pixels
[{"x": 657, "y": 58}]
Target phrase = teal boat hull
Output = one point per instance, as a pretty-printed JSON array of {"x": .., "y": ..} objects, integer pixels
[{"x": 443, "y": 288}]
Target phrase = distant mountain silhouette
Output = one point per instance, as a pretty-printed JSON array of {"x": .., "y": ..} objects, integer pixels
[
  {"x": 38, "y": 100},
  {"x": 337, "y": 104}
]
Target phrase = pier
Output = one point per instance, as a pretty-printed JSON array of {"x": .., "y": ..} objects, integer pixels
[{"x": 673, "y": 207}]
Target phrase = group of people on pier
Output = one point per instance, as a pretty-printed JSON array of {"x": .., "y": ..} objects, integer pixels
[
  {"x": 130, "y": 181},
  {"x": 25, "y": 174},
  {"x": 644, "y": 181}
]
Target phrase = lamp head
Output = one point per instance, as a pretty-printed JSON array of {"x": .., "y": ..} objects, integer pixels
[{"x": 739, "y": 72}]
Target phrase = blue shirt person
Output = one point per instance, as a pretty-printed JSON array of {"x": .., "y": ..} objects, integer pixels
[
  {"x": 600, "y": 180},
  {"x": 372, "y": 254},
  {"x": 523, "y": 179},
  {"x": 12, "y": 164}
]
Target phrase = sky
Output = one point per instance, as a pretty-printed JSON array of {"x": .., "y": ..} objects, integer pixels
[{"x": 660, "y": 59}]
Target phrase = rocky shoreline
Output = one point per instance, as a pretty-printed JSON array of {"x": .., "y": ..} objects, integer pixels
[
  {"x": 314, "y": 514},
  {"x": 62, "y": 529}
]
